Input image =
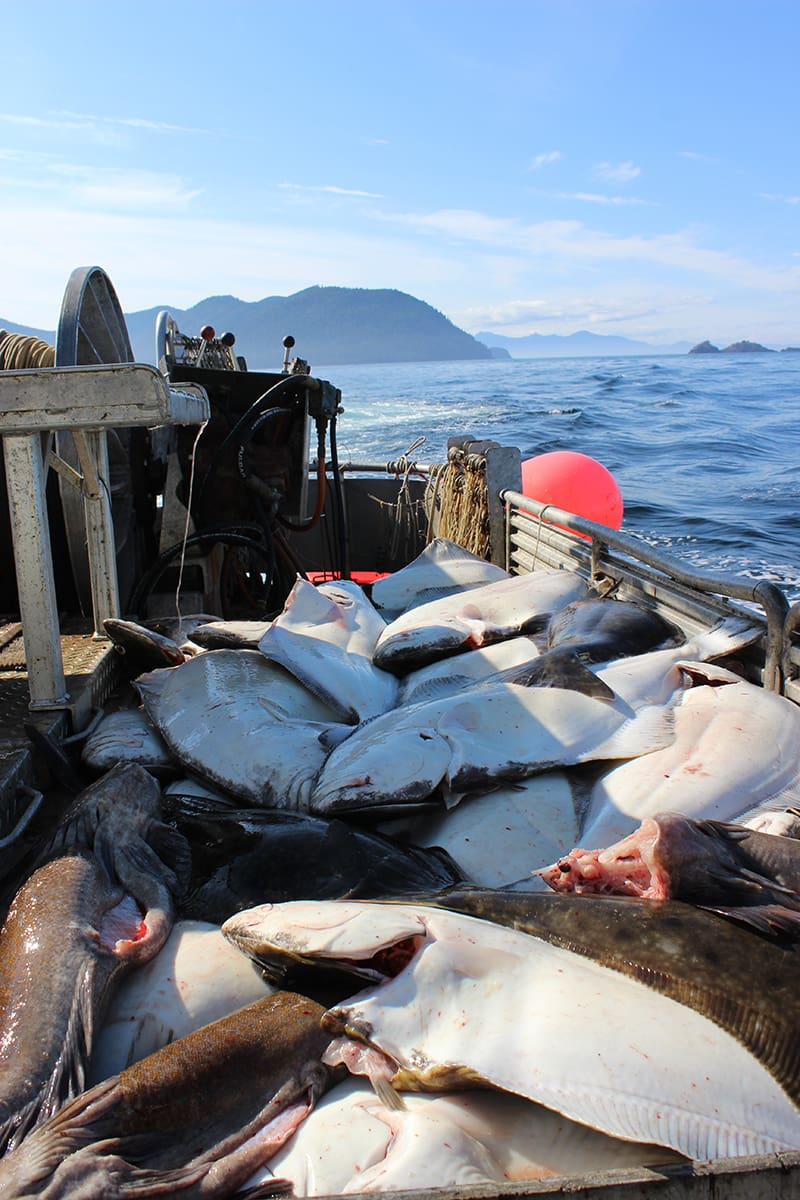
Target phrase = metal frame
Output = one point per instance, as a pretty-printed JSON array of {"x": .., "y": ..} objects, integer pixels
[{"x": 85, "y": 401}]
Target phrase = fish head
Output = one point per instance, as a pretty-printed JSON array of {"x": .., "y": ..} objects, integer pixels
[{"x": 364, "y": 940}]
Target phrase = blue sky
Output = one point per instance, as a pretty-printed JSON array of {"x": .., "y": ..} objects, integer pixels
[{"x": 624, "y": 166}]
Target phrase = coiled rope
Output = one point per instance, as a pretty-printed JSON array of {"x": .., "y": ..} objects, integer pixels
[
  {"x": 457, "y": 500},
  {"x": 20, "y": 352}
]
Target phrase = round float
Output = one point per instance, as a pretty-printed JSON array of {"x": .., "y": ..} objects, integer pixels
[{"x": 575, "y": 482}]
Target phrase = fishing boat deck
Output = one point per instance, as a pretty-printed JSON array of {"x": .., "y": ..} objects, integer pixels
[{"x": 92, "y": 674}]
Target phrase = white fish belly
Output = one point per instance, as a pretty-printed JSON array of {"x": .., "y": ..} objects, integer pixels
[
  {"x": 351, "y": 1143},
  {"x": 499, "y": 838},
  {"x": 595, "y": 1045},
  {"x": 451, "y": 675},
  {"x": 196, "y": 978},
  {"x": 735, "y": 747}
]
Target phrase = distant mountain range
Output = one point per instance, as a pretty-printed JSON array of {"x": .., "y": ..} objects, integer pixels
[
  {"x": 574, "y": 345},
  {"x": 333, "y": 325}
]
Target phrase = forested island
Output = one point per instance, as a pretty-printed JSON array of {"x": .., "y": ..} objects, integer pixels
[
  {"x": 330, "y": 325},
  {"x": 738, "y": 348}
]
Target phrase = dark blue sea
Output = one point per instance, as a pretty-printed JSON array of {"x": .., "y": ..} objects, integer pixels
[{"x": 704, "y": 448}]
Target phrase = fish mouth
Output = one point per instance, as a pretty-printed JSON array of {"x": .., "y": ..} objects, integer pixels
[
  {"x": 281, "y": 962},
  {"x": 325, "y": 947}
]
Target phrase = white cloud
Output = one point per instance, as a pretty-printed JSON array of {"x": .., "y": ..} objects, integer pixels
[
  {"x": 129, "y": 122},
  {"x": 780, "y": 199},
  {"x": 707, "y": 158},
  {"x": 116, "y": 189},
  {"x": 64, "y": 119},
  {"x": 617, "y": 173},
  {"x": 637, "y": 310},
  {"x": 542, "y": 160},
  {"x": 331, "y": 189},
  {"x": 599, "y": 198},
  {"x": 176, "y": 259},
  {"x": 570, "y": 241}
]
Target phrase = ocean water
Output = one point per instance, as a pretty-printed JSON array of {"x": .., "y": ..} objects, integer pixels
[{"x": 705, "y": 449}]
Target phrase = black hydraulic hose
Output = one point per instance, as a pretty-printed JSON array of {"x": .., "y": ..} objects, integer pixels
[
  {"x": 250, "y": 414},
  {"x": 267, "y": 529},
  {"x": 304, "y": 526},
  {"x": 228, "y": 537},
  {"x": 253, "y": 415},
  {"x": 342, "y": 531}
]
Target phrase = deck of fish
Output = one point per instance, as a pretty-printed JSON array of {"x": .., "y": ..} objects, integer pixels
[{"x": 345, "y": 721}]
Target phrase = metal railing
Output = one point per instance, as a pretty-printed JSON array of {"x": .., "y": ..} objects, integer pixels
[{"x": 533, "y": 528}]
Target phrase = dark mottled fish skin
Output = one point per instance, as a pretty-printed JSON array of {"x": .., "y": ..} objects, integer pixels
[
  {"x": 230, "y": 635},
  {"x": 118, "y": 818},
  {"x": 245, "y": 857},
  {"x": 144, "y": 649},
  {"x": 184, "y": 1120},
  {"x": 747, "y": 984},
  {"x": 750, "y": 876},
  {"x": 68, "y": 936},
  {"x": 125, "y": 793},
  {"x": 599, "y": 630},
  {"x": 180, "y": 629},
  {"x": 718, "y": 862}
]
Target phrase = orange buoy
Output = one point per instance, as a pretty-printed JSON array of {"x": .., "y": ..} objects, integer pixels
[{"x": 575, "y": 482}]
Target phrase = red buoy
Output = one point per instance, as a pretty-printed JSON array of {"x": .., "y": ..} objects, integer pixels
[
  {"x": 575, "y": 482},
  {"x": 207, "y": 333}
]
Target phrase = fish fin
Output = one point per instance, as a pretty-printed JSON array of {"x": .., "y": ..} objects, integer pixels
[
  {"x": 388, "y": 1097},
  {"x": 68, "y": 1076},
  {"x": 443, "y": 856},
  {"x": 142, "y": 1181},
  {"x": 758, "y": 881},
  {"x": 44, "y": 1146},
  {"x": 342, "y": 848},
  {"x": 136, "y": 863},
  {"x": 770, "y": 920},
  {"x": 651, "y": 728},
  {"x": 728, "y": 635},
  {"x": 173, "y": 849},
  {"x": 48, "y": 1152},
  {"x": 18, "y": 1126},
  {"x": 268, "y": 1187},
  {"x": 724, "y": 830},
  {"x": 334, "y": 735},
  {"x": 561, "y": 669}
]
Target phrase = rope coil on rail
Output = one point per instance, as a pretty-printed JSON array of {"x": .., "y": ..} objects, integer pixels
[
  {"x": 21, "y": 352},
  {"x": 457, "y": 500}
]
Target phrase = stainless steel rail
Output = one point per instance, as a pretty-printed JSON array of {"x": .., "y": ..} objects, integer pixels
[{"x": 600, "y": 537}]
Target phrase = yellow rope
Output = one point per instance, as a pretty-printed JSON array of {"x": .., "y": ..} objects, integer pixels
[{"x": 19, "y": 352}]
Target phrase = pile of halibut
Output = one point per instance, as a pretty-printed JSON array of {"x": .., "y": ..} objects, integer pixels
[{"x": 478, "y": 878}]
